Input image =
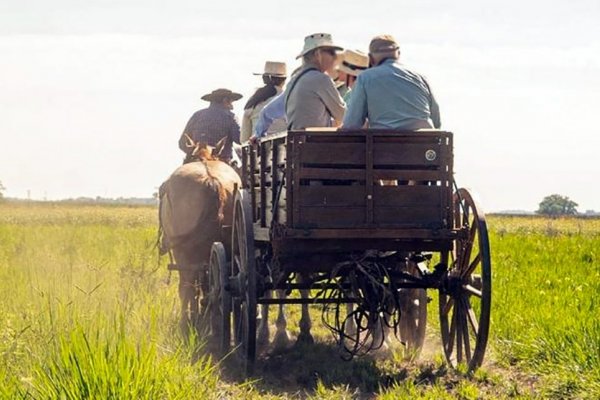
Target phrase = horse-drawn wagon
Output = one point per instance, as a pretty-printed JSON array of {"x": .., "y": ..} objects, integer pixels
[{"x": 370, "y": 217}]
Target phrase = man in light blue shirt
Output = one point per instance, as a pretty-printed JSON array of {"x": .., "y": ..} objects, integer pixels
[
  {"x": 389, "y": 95},
  {"x": 271, "y": 118}
]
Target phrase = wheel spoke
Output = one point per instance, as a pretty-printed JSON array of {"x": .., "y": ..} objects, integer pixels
[
  {"x": 448, "y": 306},
  {"x": 472, "y": 266},
  {"x": 468, "y": 247},
  {"x": 451, "y": 335},
  {"x": 467, "y": 339},
  {"x": 465, "y": 327},
  {"x": 472, "y": 317},
  {"x": 459, "y": 334},
  {"x": 472, "y": 290}
]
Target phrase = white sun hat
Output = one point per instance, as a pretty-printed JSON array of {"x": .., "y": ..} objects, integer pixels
[
  {"x": 317, "y": 41},
  {"x": 274, "y": 68}
]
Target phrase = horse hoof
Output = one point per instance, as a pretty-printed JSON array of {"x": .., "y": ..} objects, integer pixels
[
  {"x": 281, "y": 340},
  {"x": 305, "y": 338}
]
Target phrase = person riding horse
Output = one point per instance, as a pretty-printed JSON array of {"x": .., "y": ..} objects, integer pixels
[{"x": 214, "y": 124}]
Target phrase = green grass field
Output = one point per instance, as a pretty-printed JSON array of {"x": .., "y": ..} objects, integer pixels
[{"x": 86, "y": 311}]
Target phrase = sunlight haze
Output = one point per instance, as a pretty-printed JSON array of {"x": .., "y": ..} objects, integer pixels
[{"x": 94, "y": 95}]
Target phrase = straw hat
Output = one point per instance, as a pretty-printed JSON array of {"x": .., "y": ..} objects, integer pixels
[
  {"x": 354, "y": 62},
  {"x": 220, "y": 94},
  {"x": 274, "y": 68},
  {"x": 317, "y": 41}
]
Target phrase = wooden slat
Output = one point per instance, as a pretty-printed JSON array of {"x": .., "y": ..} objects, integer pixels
[
  {"x": 408, "y": 154},
  {"x": 369, "y": 154},
  {"x": 405, "y": 196},
  {"x": 373, "y": 233},
  {"x": 331, "y": 217},
  {"x": 407, "y": 175},
  {"x": 333, "y": 153},
  {"x": 322, "y": 195},
  {"x": 416, "y": 138},
  {"x": 282, "y": 217},
  {"x": 263, "y": 151},
  {"x": 281, "y": 154},
  {"x": 422, "y": 217},
  {"x": 332, "y": 137},
  {"x": 288, "y": 183},
  {"x": 298, "y": 141},
  {"x": 331, "y": 173}
]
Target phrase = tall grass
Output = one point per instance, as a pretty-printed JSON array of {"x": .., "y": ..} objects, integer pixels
[
  {"x": 86, "y": 312},
  {"x": 546, "y": 315}
]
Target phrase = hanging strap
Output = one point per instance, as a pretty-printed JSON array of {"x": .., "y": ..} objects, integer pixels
[{"x": 292, "y": 86}]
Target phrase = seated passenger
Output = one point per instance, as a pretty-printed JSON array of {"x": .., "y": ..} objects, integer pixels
[
  {"x": 271, "y": 118},
  {"x": 352, "y": 65},
  {"x": 274, "y": 76},
  {"x": 389, "y": 95},
  {"x": 311, "y": 99}
]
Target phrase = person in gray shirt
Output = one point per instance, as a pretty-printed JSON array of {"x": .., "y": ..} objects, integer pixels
[{"x": 311, "y": 99}]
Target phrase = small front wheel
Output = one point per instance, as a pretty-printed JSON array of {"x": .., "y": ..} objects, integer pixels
[{"x": 219, "y": 300}]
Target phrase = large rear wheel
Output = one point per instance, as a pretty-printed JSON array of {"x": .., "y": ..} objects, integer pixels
[
  {"x": 466, "y": 295},
  {"x": 244, "y": 279}
]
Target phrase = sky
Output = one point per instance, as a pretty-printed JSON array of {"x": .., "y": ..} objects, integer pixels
[{"x": 94, "y": 94}]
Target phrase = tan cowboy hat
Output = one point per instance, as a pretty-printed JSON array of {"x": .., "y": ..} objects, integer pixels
[
  {"x": 274, "y": 68},
  {"x": 220, "y": 94},
  {"x": 354, "y": 62},
  {"x": 317, "y": 41}
]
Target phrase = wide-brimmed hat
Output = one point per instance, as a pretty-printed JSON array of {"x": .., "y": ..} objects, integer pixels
[
  {"x": 354, "y": 62},
  {"x": 274, "y": 68},
  {"x": 220, "y": 94},
  {"x": 383, "y": 44},
  {"x": 318, "y": 41}
]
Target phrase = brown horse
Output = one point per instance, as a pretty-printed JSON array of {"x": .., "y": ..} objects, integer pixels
[{"x": 195, "y": 202}]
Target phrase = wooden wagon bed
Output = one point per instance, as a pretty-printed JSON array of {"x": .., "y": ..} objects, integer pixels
[{"x": 367, "y": 189}]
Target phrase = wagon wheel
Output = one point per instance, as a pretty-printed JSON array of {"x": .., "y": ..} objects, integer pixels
[
  {"x": 413, "y": 317},
  {"x": 219, "y": 300},
  {"x": 244, "y": 271},
  {"x": 465, "y": 296}
]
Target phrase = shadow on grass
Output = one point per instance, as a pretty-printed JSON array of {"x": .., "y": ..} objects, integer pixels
[{"x": 301, "y": 367}]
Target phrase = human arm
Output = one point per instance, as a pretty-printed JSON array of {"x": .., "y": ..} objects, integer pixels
[
  {"x": 435, "y": 113},
  {"x": 434, "y": 107},
  {"x": 262, "y": 125},
  {"x": 246, "y": 130},
  {"x": 357, "y": 107},
  {"x": 332, "y": 100},
  {"x": 185, "y": 136},
  {"x": 234, "y": 129}
]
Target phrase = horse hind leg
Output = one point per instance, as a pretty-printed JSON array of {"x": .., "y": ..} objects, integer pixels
[
  {"x": 282, "y": 337},
  {"x": 187, "y": 299},
  {"x": 305, "y": 324},
  {"x": 263, "y": 327}
]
